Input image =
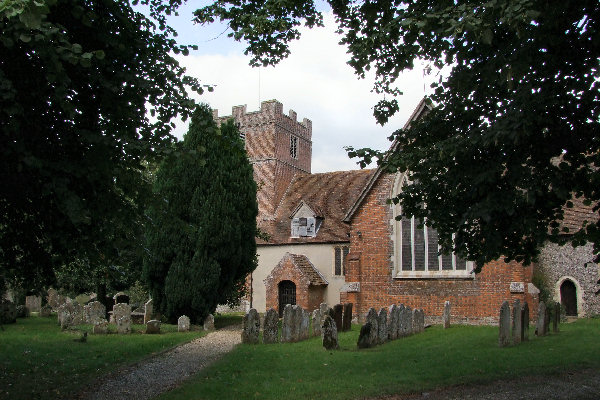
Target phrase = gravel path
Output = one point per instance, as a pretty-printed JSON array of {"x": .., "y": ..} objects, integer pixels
[{"x": 165, "y": 371}]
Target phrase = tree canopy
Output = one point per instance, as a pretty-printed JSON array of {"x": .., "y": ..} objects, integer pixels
[
  {"x": 200, "y": 233},
  {"x": 512, "y": 137},
  {"x": 88, "y": 90}
]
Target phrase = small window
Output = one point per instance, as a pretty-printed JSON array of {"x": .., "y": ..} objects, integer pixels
[
  {"x": 294, "y": 147},
  {"x": 340, "y": 256}
]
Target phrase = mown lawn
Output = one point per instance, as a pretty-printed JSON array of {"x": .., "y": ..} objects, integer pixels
[
  {"x": 39, "y": 361},
  {"x": 433, "y": 359}
]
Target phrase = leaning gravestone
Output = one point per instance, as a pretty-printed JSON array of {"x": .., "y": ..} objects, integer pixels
[
  {"x": 541, "y": 325},
  {"x": 367, "y": 331},
  {"x": 338, "y": 315},
  {"x": 504, "y": 325},
  {"x": 100, "y": 328},
  {"x": 446, "y": 315},
  {"x": 329, "y": 334},
  {"x": 525, "y": 322},
  {"x": 148, "y": 310},
  {"x": 33, "y": 303},
  {"x": 382, "y": 331},
  {"x": 94, "y": 312},
  {"x": 250, "y": 327},
  {"x": 209, "y": 323},
  {"x": 183, "y": 323},
  {"x": 373, "y": 319},
  {"x": 153, "y": 326},
  {"x": 270, "y": 327},
  {"x": 392, "y": 323},
  {"x": 347, "y": 318},
  {"x": 316, "y": 322},
  {"x": 556, "y": 317},
  {"x": 122, "y": 317},
  {"x": 517, "y": 325}
]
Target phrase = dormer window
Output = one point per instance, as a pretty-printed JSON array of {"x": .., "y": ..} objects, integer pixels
[{"x": 305, "y": 223}]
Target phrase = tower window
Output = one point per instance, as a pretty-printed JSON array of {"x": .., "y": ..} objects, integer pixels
[{"x": 293, "y": 146}]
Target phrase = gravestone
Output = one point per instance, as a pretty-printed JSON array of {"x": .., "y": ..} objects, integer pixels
[
  {"x": 382, "y": 326},
  {"x": 148, "y": 310},
  {"x": 525, "y": 322},
  {"x": 446, "y": 315},
  {"x": 287, "y": 333},
  {"x": 399, "y": 323},
  {"x": 209, "y": 323},
  {"x": 52, "y": 298},
  {"x": 8, "y": 311},
  {"x": 517, "y": 324},
  {"x": 46, "y": 311},
  {"x": 338, "y": 315},
  {"x": 33, "y": 303},
  {"x": 100, "y": 328},
  {"x": 304, "y": 327},
  {"x": 372, "y": 319},
  {"x": 347, "y": 319},
  {"x": 547, "y": 320},
  {"x": 329, "y": 334},
  {"x": 22, "y": 311},
  {"x": 94, "y": 312},
  {"x": 70, "y": 313},
  {"x": 270, "y": 326},
  {"x": 183, "y": 323},
  {"x": 122, "y": 317},
  {"x": 392, "y": 323},
  {"x": 418, "y": 320},
  {"x": 324, "y": 311},
  {"x": 316, "y": 322},
  {"x": 250, "y": 327},
  {"x": 541, "y": 325},
  {"x": 405, "y": 322},
  {"x": 153, "y": 326},
  {"x": 367, "y": 331},
  {"x": 504, "y": 325},
  {"x": 556, "y": 317}
]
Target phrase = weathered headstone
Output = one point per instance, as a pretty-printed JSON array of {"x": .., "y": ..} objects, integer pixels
[
  {"x": 541, "y": 324},
  {"x": 421, "y": 320},
  {"x": 365, "y": 336},
  {"x": 183, "y": 323},
  {"x": 525, "y": 322},
  {"x": 209, "y": 323},
  {"x": 329, "y": 334},
  {"x": 517, "y": 322},
  {"x": 392, "y": 323},
  {"x": 148, "y": 310},
  {"x": 52, "y": 298},
  {"x": 556, "y": 317},
  {"x": 382, "y": 326},
  {"x": 70, "y": 313},
  {"x": 347, "y": 318},
  {"x": 409, "y": 321},
  {"x": 324, "y": 311},
  {"x": 415, "y": 320},
  {"x": 153, "y": 326},
  {"x": 270, "y": 326},
  {"x": 399, "y": 324},
  {"x": 547, "y": 320},
  {"x": 33, "y": 303},
  {"x": 287, "y": 321},
  {"x": 316, "y": 322},
  {"x": 122, "y": 317},
  {"x": 338, "y": 313},
  {"x": 446, "y": 315},
  {"x": 46, "y": 311},
  {"x": 100, "y": 328},
  {"x": 250, "y": 327},
  {"x": 304, "y": 326},
  {"x": 94, "y": 312},
  {"x": 504, "y": 325},
  {"x": 373, "y": 320}
]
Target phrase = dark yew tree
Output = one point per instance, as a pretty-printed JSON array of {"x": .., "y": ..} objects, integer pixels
[
  {"x": 201, "y": 230},
  {"x": 513, "y": 135},
  {"x": 88, "y": 89}
]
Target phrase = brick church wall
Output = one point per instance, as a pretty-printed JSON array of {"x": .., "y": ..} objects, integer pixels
[{"x": 475, "y": 301}]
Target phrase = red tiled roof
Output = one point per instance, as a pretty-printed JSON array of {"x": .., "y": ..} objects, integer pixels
[
  {"x": 308, "y": 269},
  {"x": 576, "y": 216},
  {"x": 330, "y": 194}
]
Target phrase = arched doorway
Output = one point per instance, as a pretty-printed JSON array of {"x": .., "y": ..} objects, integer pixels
[
  {"x": 568, "y": 297},
  {"x": 287, "y": 294}
]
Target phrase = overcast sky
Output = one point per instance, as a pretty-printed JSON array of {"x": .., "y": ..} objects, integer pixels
[{"x": 314, "y": 81}]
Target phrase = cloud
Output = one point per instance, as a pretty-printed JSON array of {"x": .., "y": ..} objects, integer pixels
[{"x": 316, "y": 82}]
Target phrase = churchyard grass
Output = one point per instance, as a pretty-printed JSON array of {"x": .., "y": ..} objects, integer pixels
[
  {"x": 39, "y": 361},
  {"x": 433, "y": 359}
]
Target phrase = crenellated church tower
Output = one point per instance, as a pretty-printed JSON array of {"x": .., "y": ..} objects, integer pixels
[{"x": 278, "y": 147}]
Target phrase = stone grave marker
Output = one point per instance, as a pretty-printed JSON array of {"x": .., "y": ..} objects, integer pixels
[
  {"x": 541, "y": 325},
  {"x": 338, "y": 315},
  {"x": 504, "y": 325},
  {"x": 365, "y": 335},
  {"x": 250, "y": 327},
  {"x": 517, "y": 323},
  {"x": 100, "y": 328},
  {"x": 122, "y": 317},
  {"x": 209, "y": 323},
  {"x": 316, "y": 322},
  {"x": 347, "y": 318},
  {"x": 153, "y": 326},
  {"x": 46, "y": 311},
  {"x": 399, "y": 324},
  {"x": 382, "y": 331},
  {"x": 525, "y": 322},
  {"x": 373, "y": 319},
  {"x": 304, "y": 327},
  {"x": 270, "y": 327},
  {"x": 392, "y": 323},
  {"x": 446, "y": 315},
  {"x": 556, "y": 317},
  {"x": 183, "y": 323},
  {"x": 94, "y": 312},
  {"x": 33, "y": 303},
  {"x": 52, "y": 298},
  {"x": 148, "y": 310},
  {"x": 287, "y": 333},
  {"x": 329, "y": 334}
]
